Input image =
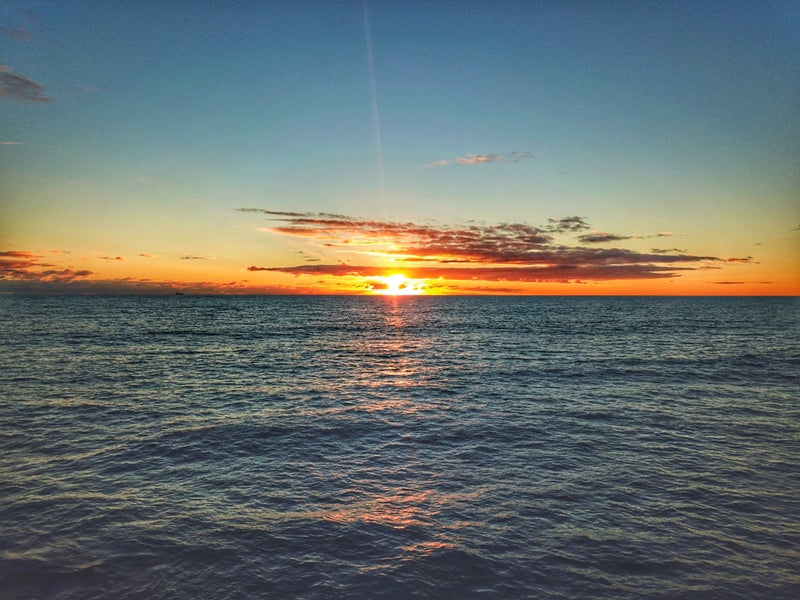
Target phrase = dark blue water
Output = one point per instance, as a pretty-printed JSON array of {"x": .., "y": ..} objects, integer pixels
[{"x": 375, "y": 447}]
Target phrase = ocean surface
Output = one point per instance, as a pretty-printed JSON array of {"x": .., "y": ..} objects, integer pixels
[{"x": 406, "y": 447}]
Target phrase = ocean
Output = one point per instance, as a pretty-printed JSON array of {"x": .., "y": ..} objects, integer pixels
[{"x": 399, "y": 447}]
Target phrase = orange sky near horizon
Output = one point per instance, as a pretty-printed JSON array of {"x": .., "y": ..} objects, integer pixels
[{"x": 335, "y": 254}]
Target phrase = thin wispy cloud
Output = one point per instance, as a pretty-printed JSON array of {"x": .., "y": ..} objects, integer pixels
[
  {"x": 481, "y": 159},
  {"x": 18, "y": 26},
  {"x": 10, "y": 143},
  {"x": 668, "y": 251},
  {"x": 498, "y": 252},
  {"x": 439, "y": 163},
  {"x": 280, "y": 213},
  {"x": 19, "y": 87},
  {"x": 739, "y": 282},
  {"x": 600, "y": 238},
  {"x": 484, "y": 289},
  {"x": 16, "y": 33}
]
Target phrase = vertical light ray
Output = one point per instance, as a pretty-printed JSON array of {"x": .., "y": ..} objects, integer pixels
[{"x": 376, "y": 120}]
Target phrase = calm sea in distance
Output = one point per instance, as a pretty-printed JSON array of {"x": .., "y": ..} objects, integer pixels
[{"x": 399, "y": 447}]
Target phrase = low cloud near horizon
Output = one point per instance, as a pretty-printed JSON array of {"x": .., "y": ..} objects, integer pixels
[
  {"x": 28, "y": 266},
  {"x": 498, "y": 252},
  {"x": 559, "y": 250}
]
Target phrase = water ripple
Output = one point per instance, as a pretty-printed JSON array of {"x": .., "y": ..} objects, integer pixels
[{"x": 399, "y": 448}]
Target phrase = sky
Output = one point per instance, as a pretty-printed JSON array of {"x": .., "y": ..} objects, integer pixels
[{"x": 358, "y": 147}]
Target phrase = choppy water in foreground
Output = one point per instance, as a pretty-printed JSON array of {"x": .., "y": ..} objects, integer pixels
[{"x": 306, "y": 447}]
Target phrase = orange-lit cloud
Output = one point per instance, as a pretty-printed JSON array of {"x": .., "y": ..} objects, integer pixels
[
  {"x": 545, "y": 273},
  {"x": 19, "y": 265},
  {"x": 499, "y": 252},
  {"x": 27, "y": 272}
]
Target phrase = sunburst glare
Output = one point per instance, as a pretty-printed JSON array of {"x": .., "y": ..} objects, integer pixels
[{"x": 396, "y": 285}]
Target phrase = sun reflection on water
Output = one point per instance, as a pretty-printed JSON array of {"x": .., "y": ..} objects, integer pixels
[{"x": 399, "y": 510}]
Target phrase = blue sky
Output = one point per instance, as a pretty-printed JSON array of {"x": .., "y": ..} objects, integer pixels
[{"x": 165, "y": 117}]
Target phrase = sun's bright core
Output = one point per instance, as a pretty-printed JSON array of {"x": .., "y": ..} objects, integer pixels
[{"x": 397, "y": 285}]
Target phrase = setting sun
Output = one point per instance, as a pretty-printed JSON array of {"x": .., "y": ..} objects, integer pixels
[{"x": 396, "y": 285}]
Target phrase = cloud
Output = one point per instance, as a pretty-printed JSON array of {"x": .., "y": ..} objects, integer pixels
[
  {"x": 19, "y": 265},
  {"x": 25, "y": 272},
  {"x": 739, "y": 282},
  {"x": 77, "y": 285},
  {"x": 414, "y": 242},
  {"x": 62, "y": 274},
  {"x": 19, "y": 87},
  {"x": 546, "y": 273},
  {"x": 110, "y": 258},
  {"x": 515, "y": 252},
  {"x": 10, "y": 143},
  {"x": 480, "y": 159},
  {"x": 15, "y": 263},
  {"x": 17, "y": 26},
  {"x": 279, "y": 213},
  {"x": 567, "y": 224},
  {"x": 17, "y": 33},
  {"x": 667, "y": 251},
  {"x": 483, "y": 289},
  {"x": 599, "y": 238},
  {"x": 439, "y": 163},
  {"x": 746, "y": 259},
  {"x": 189, "y": 257}
]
